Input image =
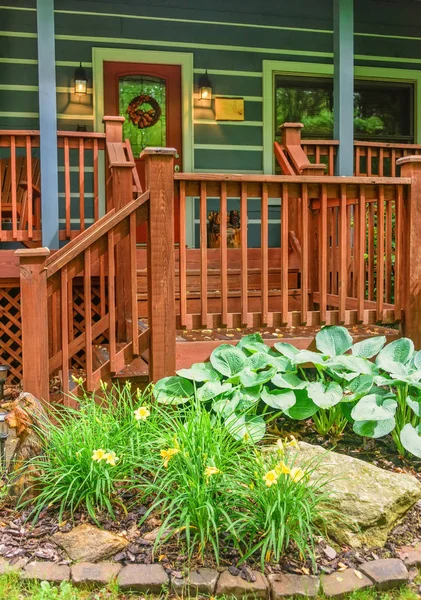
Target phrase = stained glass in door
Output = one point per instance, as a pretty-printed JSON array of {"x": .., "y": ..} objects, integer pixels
[{"x": 142, "y": 101}]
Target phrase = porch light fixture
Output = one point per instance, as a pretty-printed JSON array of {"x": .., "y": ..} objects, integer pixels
[
  {"x": 205, "y": 87},
  {"x": 4, "y": 434},
  {"x": 81, "y": 81},
  {"x": 4, "y": 372}
]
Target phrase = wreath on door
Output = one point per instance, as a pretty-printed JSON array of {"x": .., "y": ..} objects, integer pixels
[{"x": 140, "y": 115}]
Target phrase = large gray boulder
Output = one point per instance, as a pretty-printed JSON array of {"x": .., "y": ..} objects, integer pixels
[{"x": 371, "y": 501}]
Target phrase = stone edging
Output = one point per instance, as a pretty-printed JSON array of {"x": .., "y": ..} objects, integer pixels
[{"x": 382, "y": 574}]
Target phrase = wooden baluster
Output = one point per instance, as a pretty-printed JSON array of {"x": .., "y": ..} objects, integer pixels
[
  {"x": 87, "y": 294},
  {"x": 357, "y": 161},
  {"x": 370, "y": 252},
  {"x": 111, "y": 301},
  {"x": 264, "y": 239},
  {"x": 82, "y": 184},
  {"x": 29, "y": 196},
  {"x": 102, "y": 293},
  {"x": 369, "y": 162},
  {"x": 323, "y": 242},
  {"x": 380, "y": 255},
  {"x": 317, "y": 159},
  {"x": 333, "y": 229},
  {"x": 133, "y": 285},
  {"x": 182, "y": 269},
  {"x": 13, "y": 184},
  {"x": 361, "y": 242},
  {"x": 349, "y": 265},
  {"x": 393, "y": 163},
  {"x": 67, "y": 190},
  {"x": 70, "y": 309},
  {"x": 304, "y": 253},
  {"x": 284, "y": 253},
  {"x": 244, "y": 256},
  {"x": 331, "y": 168},
  {"x": 343, "y": 274},
  {"x": 389, "y": 250},
  {"x": 65, "y": 362},
  {"x": 53, "y": 322},
  {"x": 381, "y": 162},
  {"x": 203, "y": 255},
  {"x": 34, "y": 319},
  {"x": 224, "y": 257},
  {"x": 398, "y": 284},
  {"x": 1, "y": 179},
  {"x": 96, "y": 185}
]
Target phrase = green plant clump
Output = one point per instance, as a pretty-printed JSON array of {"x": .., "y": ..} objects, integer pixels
[{"x": 375, "y": 387}]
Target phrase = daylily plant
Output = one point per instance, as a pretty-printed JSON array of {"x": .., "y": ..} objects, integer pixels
[{"x": 376, "y": 387}]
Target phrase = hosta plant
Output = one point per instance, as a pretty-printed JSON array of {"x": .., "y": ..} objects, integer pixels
[{"x": 374, "y": 386}]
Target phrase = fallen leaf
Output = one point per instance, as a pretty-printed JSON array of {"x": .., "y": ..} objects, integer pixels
[{"x": 358, "y": 574}]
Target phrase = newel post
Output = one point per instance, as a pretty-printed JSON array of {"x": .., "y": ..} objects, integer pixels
[
  {"x": 291, "y": 134},
  {"x": 161, "y": 261},
  {"x": 120, "y": 193},
  {"x": 411, "y": 251},
  {"x": 34, "y": 318}
]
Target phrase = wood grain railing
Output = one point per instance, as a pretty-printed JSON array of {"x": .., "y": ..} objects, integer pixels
[
  {"x": 330, "y": 251},
  {"x": 20, "y": 183},
  {"x": 103, "y": 256}
]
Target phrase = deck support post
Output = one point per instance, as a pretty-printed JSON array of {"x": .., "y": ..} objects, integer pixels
[
  {"x": 121, "y": 193},
  {"x": 343, "y": 85},
  {"x": 48, "y": 123},
  {"x": 34, "y": 316},
  {"x": 411, "y": 276},
  {"x": 159, "y": 171}
]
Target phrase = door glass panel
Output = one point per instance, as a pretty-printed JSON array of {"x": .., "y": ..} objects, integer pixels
[{"x": 142, "y": 101}]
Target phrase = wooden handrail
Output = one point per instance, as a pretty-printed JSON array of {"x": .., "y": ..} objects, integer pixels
[
  {"x": 91, "y": 235},
  {"x": 290, "y": 179}
]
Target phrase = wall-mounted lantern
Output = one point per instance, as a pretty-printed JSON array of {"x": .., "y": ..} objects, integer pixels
[
  {"x": 205, "y": 87},
  {"x": 81, "y": 81}
]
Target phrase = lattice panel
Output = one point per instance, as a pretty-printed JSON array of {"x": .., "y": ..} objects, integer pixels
[
  {"x": 11, "y": 331},
  {"x": 79, "y": 319}
]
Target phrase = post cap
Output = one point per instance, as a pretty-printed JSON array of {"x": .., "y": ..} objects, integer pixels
[
  {"x": 158, "y": 151},
  {"x": 291, "y": 126},
  {"x": 32, "y": 252},
  {"x": 414, "y": 158},
  {"x": 115, "y": 119}
]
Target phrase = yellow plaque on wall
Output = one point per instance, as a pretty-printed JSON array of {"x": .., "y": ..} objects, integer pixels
[{"x": 229, "y": 109}]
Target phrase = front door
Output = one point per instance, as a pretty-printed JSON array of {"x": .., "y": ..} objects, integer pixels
[{"x": 149, "y": 97}]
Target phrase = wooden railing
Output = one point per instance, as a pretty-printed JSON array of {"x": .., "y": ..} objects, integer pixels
[
  {"x": 371, "y": 159},
  {"x": 20, "y": 183},
  {"x": 104, "y": 257},
  {"x": 331, "y": 251}
]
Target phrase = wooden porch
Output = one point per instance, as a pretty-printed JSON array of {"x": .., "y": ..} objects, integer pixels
[{"x": 330, "y": 250}]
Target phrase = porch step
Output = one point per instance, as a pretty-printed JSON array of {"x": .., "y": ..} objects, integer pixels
[{"x": 136, "y": 370}]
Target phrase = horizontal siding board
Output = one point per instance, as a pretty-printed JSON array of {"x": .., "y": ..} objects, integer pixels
[
  {"x": 18, "y": 74},
  {"x": 228, "y": 159},
  {"x": 225, "y": 134},
  {"x": 17, "y": 47},
  {"x": 27, "y": 102}
]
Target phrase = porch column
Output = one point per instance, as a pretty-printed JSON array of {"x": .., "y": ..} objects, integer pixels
[
  {"x": 343, "y": 84},
  {"x": 48, "y": 123}
]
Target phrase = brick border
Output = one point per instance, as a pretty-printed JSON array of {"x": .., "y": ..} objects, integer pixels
[{"x": 379, "y": 574}]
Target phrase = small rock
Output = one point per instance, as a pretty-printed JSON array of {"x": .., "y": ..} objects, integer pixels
[
  {"x": 230, "y": 585},
  {"x": 120, "y": 556},
  {"x": 286, "y": 585},
  {"x": 89, "y": 544},
  {"x": 234, "y": 571},
  {"x": 411, "y": 555},
  {"x": 6, "y": 567},
  {"x": 46, "y": 571},
  {"x": 94, "y": 574},
  {"x": 387, "y": 573},
  {"x": 142, "y": 578},
  {"x": 330, "y": 552},
  {"x": 338, "y": 585},
  {"x": 202, "y": 581}
]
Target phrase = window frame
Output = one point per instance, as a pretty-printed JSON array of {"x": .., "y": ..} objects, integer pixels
[{"x": 302, "y": 69}]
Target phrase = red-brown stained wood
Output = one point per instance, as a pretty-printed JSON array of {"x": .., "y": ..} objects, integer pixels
[
  {"x": 244, "y": 261},
  {"x": 304, "y": 254},
  {"x": 323, "y": 243},
  {"x": 34, "y": 316},
  {"x": 161, "y": 276},
  {"x": 380, "y": 255},
  {"x": 87, "y": 292},
  {"x": 371, "y": 251},
  {"x": 134, "y": 335},
  {"x": 399, "y": 270},
  {"x": 223, "y": 249},
  {"x": 82, "y": 184},
  {"x": 389, "y": 250},
  {"x": 28, "y": 214},
  {"x": 13, "y": 184},
  {"x": 67, "y": 185},
  {"x": 360, "y": 252},
  {"x": 203, "y": 253},
  {"x": 264, "y": 237},
  {"x": 96, "y": 184},
  {"x": 343, "y": 274},
  {"x": 285, "y": 257},
  {"x": 64, "y": 312},
  {"x": 111, "y": 301},
  {"x": 183, "y": 263}
]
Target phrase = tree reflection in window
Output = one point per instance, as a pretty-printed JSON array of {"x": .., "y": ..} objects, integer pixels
[
  {"x": 131, "y": 86},
  {"x": 382, "y": 110}
]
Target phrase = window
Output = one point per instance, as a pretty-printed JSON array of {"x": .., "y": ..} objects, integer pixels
[{"x": 383, "y": 111}]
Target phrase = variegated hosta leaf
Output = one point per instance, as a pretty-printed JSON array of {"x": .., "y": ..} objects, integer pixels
[
  {"x": 280, "y": 399},
  {"x": 324, "y": 396},
  {"x": 399, "y": 351},
  {"x": 246, "y": 427},
  {"x": 252, "y": 338},
  {"x": 289, "y": 381},
  {"x": 259, "y": 360},
  {"x": 352, "y": 364},
  {"x": 226, "y": 406},
  {"x": 415, "y": 404},
  {"x": 417, "y": 360},
  {"x": 369, "y": 347},
  {"x": 357, "y": 388},
  {"x": 228, "y": 360},
  {"x": 333, "y": 340},
  {"x": 250, "y": 378},
  {"x": 306, "y": 356},
  {"x": 303, "y": 408},
  {"x": 374, "y": 429},
  {"x": 212, "y": 389},
  {"x": 173, "y": 390},
  {"x": 200, "y": 372},
  {"x": 374, "y": 408},
  {"x": 285, "y": 349},
  {"x": 411, "y": 440}
]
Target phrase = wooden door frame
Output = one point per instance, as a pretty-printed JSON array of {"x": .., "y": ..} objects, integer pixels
[{"x": 185, "y": 61}]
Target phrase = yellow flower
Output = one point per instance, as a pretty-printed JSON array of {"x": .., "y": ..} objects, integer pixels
[
  {"x": 280, "y": 444},
  {"x": 103, "y": 385},
  {"x": 209, "y": 471},
  {"x": 168, "y": 454},
  {"x": 98, "y": 455},
  {"x": 142, "y": 413},
  {"x": 282, "y": 468},
  {"x": 271, "y": 477},
  {"x": 77, "y": 380},
  {"x": 297, "y": 474},
  {"x": 111, "y": 458},
  {"x": 293, "y": 442}
]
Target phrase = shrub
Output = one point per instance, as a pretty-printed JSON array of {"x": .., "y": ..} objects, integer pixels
[{"x": 86, "y": 461}]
